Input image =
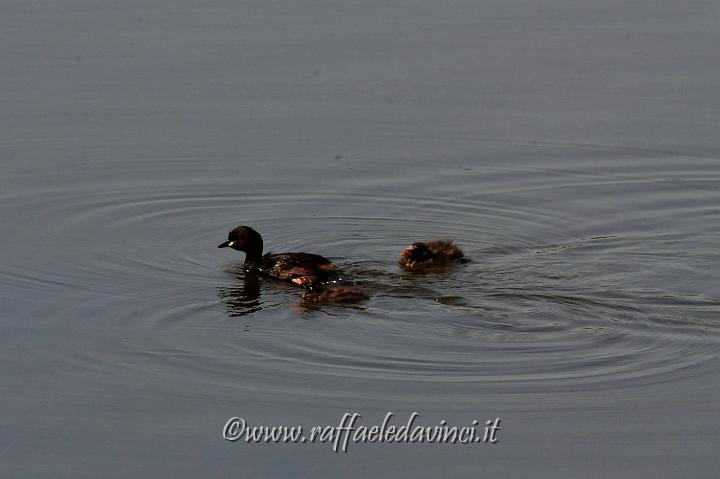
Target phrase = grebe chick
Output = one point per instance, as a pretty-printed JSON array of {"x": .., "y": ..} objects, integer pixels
[
  {"x": 429, "y": 253},
  {"x": 340, "y": 294}
]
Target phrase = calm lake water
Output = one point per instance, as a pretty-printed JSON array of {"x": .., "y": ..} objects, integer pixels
[{"x": 571, "y": 148}]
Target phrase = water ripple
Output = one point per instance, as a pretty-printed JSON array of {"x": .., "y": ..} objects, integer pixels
[{"x": 586, "y": 275}]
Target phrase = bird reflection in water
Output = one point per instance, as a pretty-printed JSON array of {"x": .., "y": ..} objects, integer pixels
[{"x": 245, "y": 299}]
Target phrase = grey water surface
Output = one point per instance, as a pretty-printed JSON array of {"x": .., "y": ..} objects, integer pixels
[{"x": 572, "y": 149}]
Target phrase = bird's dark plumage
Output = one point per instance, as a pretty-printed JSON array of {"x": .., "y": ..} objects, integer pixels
[
  {"x": 429, "y": 253},
  {"x": 308, "y": 270}
]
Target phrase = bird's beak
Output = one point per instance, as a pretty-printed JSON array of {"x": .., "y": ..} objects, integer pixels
[{"x": 225, "y": 244}]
